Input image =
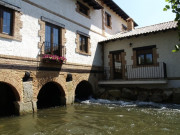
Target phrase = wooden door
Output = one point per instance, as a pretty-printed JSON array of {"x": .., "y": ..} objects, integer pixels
[{"x": 117, "y": 65}]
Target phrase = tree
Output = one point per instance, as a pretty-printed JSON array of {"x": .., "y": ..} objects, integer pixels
[{"x": 175, "y": 6}]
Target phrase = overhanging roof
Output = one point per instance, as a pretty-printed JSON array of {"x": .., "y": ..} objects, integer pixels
[
  {"x": 93, "y": 3},
  {"x": 113, "y": 6},
  {"x": 143, "y": 30}
]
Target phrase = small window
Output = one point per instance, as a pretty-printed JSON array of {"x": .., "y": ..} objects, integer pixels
[
  {"x": 82, "y": 9},
  {"x": 83, "y": 43},
  {"x": 52, "y": 39},
  {"x": 6, "y": 20},
  {"x": 144, "y": 57},
  {"x": 124, "y": 28},
  {"x": 107, "y": 19}
]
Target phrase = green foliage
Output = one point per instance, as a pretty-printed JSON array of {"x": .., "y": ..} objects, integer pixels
[{"x": 175, "y": 6}]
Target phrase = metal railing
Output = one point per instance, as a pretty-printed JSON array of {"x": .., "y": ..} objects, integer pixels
[
  {"x": 130, "y": 72},
  {"x": 54, "y": 49}
]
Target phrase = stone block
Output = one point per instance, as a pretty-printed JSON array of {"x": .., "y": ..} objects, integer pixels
[
  {"x": 27, "y": 91},
  {"x": 115, "y": 93},
  {"x": 156, "y": 98},
  {"x": 23, "y": 108},
  {"x": 128, "y": 94},
  {"x": 176, "y": 96}
]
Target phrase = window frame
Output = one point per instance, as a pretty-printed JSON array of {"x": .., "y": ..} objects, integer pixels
[
  {"x": 153, "y": 50},
  {"x": 84, "y": 7},
  {"x": 144, "y": 53},
  {"x": 108, "y": 21},
  {"x": 11, "y": 11},
  {"x": 84, "y": 48},
  {"x": 51, "y": 37},
  {"x": 80, "y": 34}
]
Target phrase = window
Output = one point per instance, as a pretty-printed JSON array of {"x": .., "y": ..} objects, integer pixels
[
  {"x": 52, "y": 39},
  {"x": 124, "y": 28},
  {"x": 83, "y": 43},
  {"x": 107, "y": 19},
  {"x": 145, "y": 57},
  {"x": 82, "y": 9},
  {"x": 6, "y": 20}
]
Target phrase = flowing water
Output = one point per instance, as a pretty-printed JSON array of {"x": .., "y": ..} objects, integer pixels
[{"x": 98, "y": 117}]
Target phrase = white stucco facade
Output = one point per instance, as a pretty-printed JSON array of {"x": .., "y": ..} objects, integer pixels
[
  {"x": 164, "y": 41},
  {"x": 92, "y": 26}
]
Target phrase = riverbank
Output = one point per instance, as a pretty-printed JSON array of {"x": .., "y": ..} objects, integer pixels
[{"x": 140, "y": 94}]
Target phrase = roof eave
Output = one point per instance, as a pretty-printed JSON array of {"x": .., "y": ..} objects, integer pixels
[
  {"x": 117, "y": 10},
  {"x": 136, "y": 35},
  {"x": 94, "y": 4}
]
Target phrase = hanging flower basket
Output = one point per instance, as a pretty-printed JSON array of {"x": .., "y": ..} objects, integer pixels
[{"x": 48, "y": 58}]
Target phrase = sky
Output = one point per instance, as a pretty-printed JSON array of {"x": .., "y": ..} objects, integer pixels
[{"x": 146, "y": 12}]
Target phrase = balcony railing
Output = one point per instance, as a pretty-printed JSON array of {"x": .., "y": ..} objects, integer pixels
[
  {"x": 54, "y": 49},
  {"x": 130, "y": 72}
]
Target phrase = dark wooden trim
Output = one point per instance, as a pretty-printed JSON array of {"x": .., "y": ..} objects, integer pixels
[
  {"x": 94, "y": 4},
  {"x": 44, "y": 68},
  {"x": 52, "y": 22},
  {"x": 117, "y": 51},
  {"x": 84, "y": 7},
  {"x": 108, "y": 20},
  {"x": 52, "y": 35},
  {"x": 144, "y": 47},
  {"x": 173, "y": 78},
  {"x": 8, "y": 5},
  {"x": 82, "y": 33},
  {"x": 18, "y": 67},
  {"x": 2, "y": 9}
]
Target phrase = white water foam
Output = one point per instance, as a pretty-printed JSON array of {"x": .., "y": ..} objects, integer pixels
[{"x": 133, "y": 104}]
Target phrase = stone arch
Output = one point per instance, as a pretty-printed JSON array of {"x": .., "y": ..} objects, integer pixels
[
  {"x": 51, "y": 94},
  {"x": 80, "y": 79},
  {"x": 14, "y": 90},
  {"x": 39, "y": 83},
  {"x": 9, "y": 96},
  {"x": 15, "y": 84},
  {"x": 84, "y": 91}
]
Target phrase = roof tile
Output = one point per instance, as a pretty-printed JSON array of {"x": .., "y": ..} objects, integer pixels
[{"x": 144, "y": 30}]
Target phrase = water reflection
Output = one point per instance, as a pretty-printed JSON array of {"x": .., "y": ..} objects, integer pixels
[{"x": 96, "y": 118}]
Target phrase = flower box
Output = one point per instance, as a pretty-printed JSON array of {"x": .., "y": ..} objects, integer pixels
[{"x": 48, "y": 58}]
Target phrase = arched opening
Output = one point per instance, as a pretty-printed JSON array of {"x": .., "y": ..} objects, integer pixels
[
  {"x": 8, "y": 97},
  {"x": 51, "y": 95},
  {"x": 83, "y": 91}
]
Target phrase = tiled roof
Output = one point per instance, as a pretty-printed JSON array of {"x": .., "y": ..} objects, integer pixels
[
  {"x": 112, "y": 5},
  {"x": 117, "y": 10},
  {"x": 144, "y": 30}
]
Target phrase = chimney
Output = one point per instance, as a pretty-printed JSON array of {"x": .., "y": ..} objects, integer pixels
[{"x": 130, "y": 24}]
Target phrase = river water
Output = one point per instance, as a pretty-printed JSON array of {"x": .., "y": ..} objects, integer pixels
[{"x": 98, "y": 117}]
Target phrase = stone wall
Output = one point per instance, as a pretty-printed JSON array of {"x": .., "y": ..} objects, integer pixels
[
  {"x": 12, "y": 72},
  {"x": 141, "y": 94}
]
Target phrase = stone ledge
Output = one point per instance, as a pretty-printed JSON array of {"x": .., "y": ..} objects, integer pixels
[{"x": 129, "y": 82}]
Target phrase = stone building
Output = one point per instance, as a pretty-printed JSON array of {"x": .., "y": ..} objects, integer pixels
[
  {"x": 34, "y": 33},
  {"x": 141, "y": 60},
  {"x": 52, "y": 52}
]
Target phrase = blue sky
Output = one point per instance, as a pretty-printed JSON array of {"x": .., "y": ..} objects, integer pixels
[{"x": 146, "y": 12}]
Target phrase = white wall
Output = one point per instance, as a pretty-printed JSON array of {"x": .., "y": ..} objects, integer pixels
[
  {"x": 31, "y": 14},
  {"x": 117, "y": 22},
  {"x": 164, "y": 42}
]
